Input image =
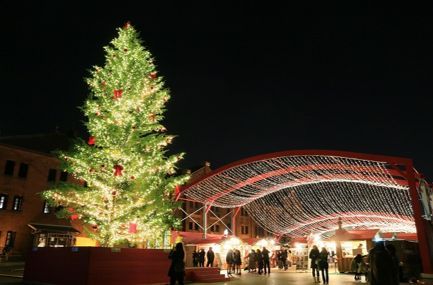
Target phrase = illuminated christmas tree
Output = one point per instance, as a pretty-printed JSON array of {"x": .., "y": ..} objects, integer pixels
[{"x": 127, "y": 180}]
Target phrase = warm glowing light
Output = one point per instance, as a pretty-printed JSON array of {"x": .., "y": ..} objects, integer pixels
[{"x": 298, "y": 194}]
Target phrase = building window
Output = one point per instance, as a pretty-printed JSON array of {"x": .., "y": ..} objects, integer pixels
[
  {"x": 190, "y": 225},
  {"x": 9, "y": 167},
  {"x": 212, "y": 228},
  {"x": 24, "y": 168},
  {"x": 196, "y": 227},
  {"x": 259, "y": 231},
  {"x": 244, "y": 230},
  {"x": 217, "y": 228},
  {"x": 3, "y": 201},
  {"x": 18, "y": 203},
  {"x": 63, "y": 176},
  {"x": 52, "y": 175},
  {"x": 46, "y": 209},
  {"x": 244, "y": 213},
  {"x": 10, "y": 239}
]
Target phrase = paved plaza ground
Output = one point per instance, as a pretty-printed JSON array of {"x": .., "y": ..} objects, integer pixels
[{"x": 277, "y": 277}]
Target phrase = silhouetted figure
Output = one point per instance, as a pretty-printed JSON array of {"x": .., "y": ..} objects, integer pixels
[
  {"x": 177, "y": 267},
  {"x": 266, "y": 263},
  {"x": 314, "y": 255},
  {"x": 210, "y": 257},
  {"x": 201, "y": 255},
  {"x": 259, "y": 257},
  {"x": 229, "y": 261},
  {"x": 195, "y": 258},
  {"x": 252, "y": 261},
  {"x": 395, "y": 264},
  {"x": 381, "y": 265},
  {"x": 323, "y": 265}
]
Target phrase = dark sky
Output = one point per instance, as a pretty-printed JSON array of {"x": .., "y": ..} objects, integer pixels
[{"x": 244, "y": 79}]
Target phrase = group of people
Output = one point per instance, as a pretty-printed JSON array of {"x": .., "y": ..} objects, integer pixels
[
  {"x": 198, "y": 258},
  {"x": 259, "y": 260},
  {"x": 382, "y": 267},
  {"x": 234, "y": 262},
  {"x": 319, "y": 261}
]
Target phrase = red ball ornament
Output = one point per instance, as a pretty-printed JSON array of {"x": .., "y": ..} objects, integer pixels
[
  {"x": 117, "y": 94},
  {"x": 132, "y": 228},
  {"x": 153, "y": 75},
  {"x": 74, "y": 217},
  {"x": 71, "y": 210},
  {"x": 91, "y": 141},
  {"x": 118, "y": 170}
]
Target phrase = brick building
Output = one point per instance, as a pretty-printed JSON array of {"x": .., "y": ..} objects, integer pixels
[
  {"x": 218, "y": 219},
  {"x": 26, "y": 169}
]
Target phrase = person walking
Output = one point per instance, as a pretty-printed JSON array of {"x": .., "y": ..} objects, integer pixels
[
  {"x": 176, "y": 271},
  {"x": 314, "y": 255},
  {"x": 266, "y": 263},
  {"x": 323, "y": 265},
  {"x": 201, "y": 255},
  {"x": 210, "y": 257}
]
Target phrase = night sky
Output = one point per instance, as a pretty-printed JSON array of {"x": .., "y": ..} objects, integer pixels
[{"x": 245, "y": 80}]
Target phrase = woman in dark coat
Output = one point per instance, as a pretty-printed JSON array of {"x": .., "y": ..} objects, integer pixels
[
  {"x": 259, "y": 258},
  {"x": 314, "y": 255},
  {"x": 177, "y": 267},
  {"x": 323, "y": 265}
]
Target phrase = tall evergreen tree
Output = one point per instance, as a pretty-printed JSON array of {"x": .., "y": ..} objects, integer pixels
[{"x": 127, "y": 180}]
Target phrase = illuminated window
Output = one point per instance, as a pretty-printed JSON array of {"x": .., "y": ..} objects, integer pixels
[
  {"x": 3, "y": 201},
  {"x": 46, "y": 209},
  {"x": 18, "y": 203},
  {"x": 244, "y": 230}
]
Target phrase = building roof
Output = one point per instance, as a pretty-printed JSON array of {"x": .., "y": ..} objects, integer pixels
[{"x": 44, "y": 143}]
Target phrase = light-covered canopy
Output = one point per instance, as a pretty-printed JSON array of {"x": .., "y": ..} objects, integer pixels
[{"x": 299, "y": 192}]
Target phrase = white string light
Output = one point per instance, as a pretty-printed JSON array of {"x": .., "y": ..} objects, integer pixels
[{"x": 299, "y": 194}]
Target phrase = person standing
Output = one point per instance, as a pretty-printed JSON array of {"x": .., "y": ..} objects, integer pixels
[
  {"x": 177, "y": 267},
  {"x": 259, "y": 258},
  {"x": 201, "y": 255},
  {"x": 284, "y": 255},
  {"x": 314, "y": 255},
  {"x": 252, "y": 261},
  {"x": 195, "y": 258},
  {"x": 381, "y": 265},
  {"x": 266, "y": 261},
  {"x": 237, "y": 260},
  {"x": 210, "y": 257},
  {"x": 323, "y": 265},
  {"x": 229, "y": 262}
]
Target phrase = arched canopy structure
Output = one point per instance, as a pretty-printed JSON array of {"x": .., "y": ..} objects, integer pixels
[{"x": 299, "y": 192}]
